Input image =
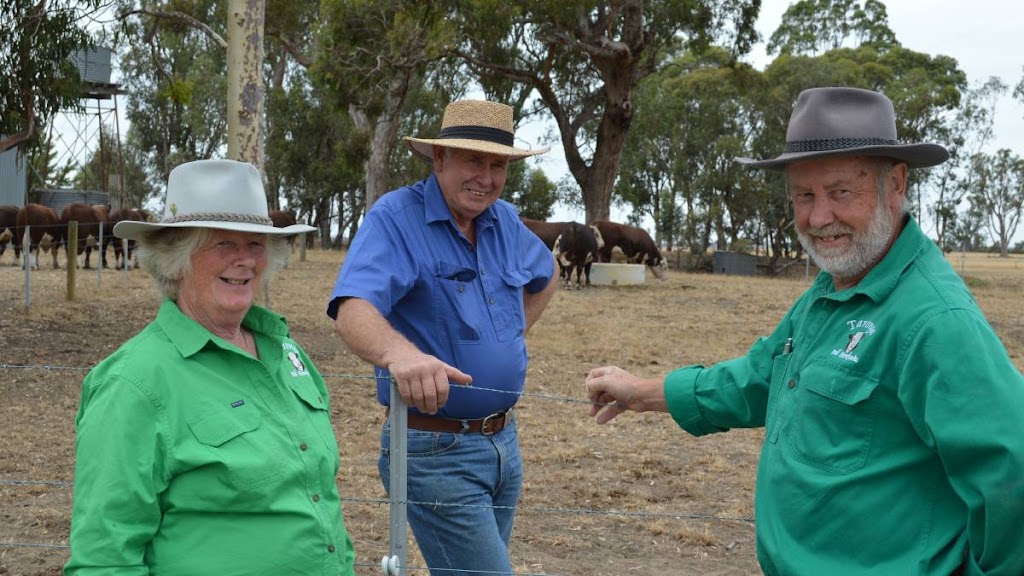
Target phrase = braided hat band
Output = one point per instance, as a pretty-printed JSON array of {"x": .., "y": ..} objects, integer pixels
[
  {"x": 220, "y": 194},
  {"x": 828, "y": 122}
]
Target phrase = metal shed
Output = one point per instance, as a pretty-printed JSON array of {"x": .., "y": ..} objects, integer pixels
[
  {"x": 13, "y": 181},
  {"x": 735, "y": 263}
]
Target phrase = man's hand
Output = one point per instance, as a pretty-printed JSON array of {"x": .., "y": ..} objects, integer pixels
[
  {"x": 613, "y": 391},
  {"x": 423, "y": 379}
]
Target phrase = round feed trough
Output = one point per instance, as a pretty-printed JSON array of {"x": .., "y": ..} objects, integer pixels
[{"x": 611, "y": 274}]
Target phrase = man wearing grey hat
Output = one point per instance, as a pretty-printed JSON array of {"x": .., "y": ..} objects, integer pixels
[{"x": 893, "y": 415}]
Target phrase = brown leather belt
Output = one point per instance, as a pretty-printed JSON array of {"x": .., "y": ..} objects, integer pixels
[{"x": 486, "y": 426}]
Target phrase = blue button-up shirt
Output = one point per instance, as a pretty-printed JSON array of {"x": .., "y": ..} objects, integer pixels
[{"x": 459, "y": 302}]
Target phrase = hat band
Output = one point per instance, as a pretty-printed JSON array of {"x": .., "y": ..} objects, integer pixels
[
  {"x": 220, "y": 217},
  {"x": 829, "y": 144},
  {"x": 486, "y": 133}
]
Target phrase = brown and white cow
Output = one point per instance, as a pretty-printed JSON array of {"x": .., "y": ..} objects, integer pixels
[
  {"x": 8, "y": 224},
  {"x": 636, "y": 244},
  {"x": 117, "y": 215},
  {"x": 44, "y": 231},
  {"x": 575, "y": 249},
  {"x": 548, "y": 232},
  {"x": 88, "y": 225}
]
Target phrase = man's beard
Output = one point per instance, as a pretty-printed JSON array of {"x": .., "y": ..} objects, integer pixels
[{"x": 864, "y": 250}]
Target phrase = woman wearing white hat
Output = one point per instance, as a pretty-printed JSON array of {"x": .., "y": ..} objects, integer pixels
[{"x": 204, "y": 444}]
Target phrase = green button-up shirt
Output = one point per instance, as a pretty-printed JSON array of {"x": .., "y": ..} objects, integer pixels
[
  {"x": 894, "y": 426},
  {"x": 194, "y": 458}
]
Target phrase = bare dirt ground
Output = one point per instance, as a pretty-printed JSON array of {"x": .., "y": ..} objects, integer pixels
[{"x": 636, "y": 496}]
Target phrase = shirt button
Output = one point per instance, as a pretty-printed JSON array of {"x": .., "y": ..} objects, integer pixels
[
  {"x": 303, "y": 446},
  {"x": 461, "y": 288},
  {"x": 792, "y": 384},
  {"x": 316, "y": 497},
  {"x": 330, "y": 548},
  {"x": 490, "y": 301}
]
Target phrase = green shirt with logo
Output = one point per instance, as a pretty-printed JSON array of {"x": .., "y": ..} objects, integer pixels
[
  {"x": 894, "y": 426},
  {"x": 194, "y": 458}
]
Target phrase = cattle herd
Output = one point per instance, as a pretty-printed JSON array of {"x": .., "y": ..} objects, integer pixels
[{"x": 576, "y": 247}]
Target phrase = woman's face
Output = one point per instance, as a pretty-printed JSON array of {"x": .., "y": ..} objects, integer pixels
[{"x": 226, "y": 272}]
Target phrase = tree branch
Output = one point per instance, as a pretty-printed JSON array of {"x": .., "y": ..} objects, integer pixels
[{"x": 175, "y": 15}]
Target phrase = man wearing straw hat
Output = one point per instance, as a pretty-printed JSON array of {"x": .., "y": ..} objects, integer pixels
[
  {"x": 894, "y": 436},
  {"x": 440, "y": 285}
]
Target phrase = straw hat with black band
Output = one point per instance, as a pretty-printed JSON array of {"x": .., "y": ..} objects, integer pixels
[
  {"x": 222, "y": 194},
  {"x": 476, "y": 125},
  {"x": 828, "y": 122}
]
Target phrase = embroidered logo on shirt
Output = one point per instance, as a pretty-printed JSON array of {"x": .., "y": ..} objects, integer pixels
[
  {"x": 237, "y": 403},
  {"x": 295, "y": 359},
  {"x": 858, "y": 330}
]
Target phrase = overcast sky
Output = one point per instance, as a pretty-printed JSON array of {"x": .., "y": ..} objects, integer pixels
[{"x": 984, "y": 36}]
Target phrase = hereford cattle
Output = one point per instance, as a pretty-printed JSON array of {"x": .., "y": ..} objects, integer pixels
[
  {"x": 283, "y": 219},
  {"x": 636, "y": 244},
  {"x": 44, "y": 231},
  {"x": 117, "y": 215},
  {"x": 548, "y": 232},
  {"x": 88, "y": 225},
  {"x": 8, "y": 224},
  {"x": 575, "y": 249}
]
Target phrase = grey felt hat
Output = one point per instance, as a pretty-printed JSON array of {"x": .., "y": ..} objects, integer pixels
[
  {"x": 222, "y": 194},
  {"x": 846, "y": 122}
]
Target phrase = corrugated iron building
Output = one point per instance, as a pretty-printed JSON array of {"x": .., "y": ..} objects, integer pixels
[{"x": 13, "y": 182}]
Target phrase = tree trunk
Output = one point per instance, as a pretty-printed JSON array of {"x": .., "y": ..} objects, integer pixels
[{"x": 245, "y": 98}]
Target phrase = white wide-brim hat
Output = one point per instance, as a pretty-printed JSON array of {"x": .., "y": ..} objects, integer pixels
[
  {"x": 221, "y": 194},
  {"x": 476, "y": 125},
  {"x": 840, "y": 121}
]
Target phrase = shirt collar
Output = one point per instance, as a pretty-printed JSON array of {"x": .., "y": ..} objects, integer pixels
[
  {"x": 436, "y": 209},
  {"x": 189, "y": 337},
  {"x": 881, "y": 280}
]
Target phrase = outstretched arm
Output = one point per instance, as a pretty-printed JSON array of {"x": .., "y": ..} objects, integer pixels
[
  {"x": 422, "y": 379},
  {"x": 614, "y": 391}
]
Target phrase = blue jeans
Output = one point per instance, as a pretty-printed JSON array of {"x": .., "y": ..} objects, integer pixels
[{"x": 482, "y": 476}]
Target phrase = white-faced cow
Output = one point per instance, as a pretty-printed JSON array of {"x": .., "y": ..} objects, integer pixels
[
  {"x": 549, "y": 232},
  {"x": 88, "y": 225},
  {"x": 636, "y": 244},
  {"x": 8, "y": 224},
  {"x": 44, "y": 231},
  {"x": 575, "y": 249},
  {"x": 117, "y": 215}
]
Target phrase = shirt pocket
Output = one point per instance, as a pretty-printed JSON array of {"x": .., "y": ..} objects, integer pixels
[
  {"x": 510, "y": 315},
  {"x": 234, "y": 447},
  {"x": 456, "y": 299},
  {"x": 834, "y": 416}
]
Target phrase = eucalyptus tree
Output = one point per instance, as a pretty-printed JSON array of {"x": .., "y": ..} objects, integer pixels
[
  {"x": 173, "y": 65},
  {"x": 530, "y": 191},
  {"x": 584, "y": 58},
  {"x": 968, "y": 132},
  {"x": 813, "y": 27},
  {"x": 37, "y": 75},
  {"x": 999, "y": 195},
  {"x": 371, "y": 54}
]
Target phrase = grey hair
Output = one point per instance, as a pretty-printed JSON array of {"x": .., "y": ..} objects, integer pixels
[
  {"x": 882, "y": 169},
  {"x": 167, "y": 255}
]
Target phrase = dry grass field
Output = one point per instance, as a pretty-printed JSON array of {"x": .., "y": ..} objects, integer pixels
[{"x": 636, "y": 496}]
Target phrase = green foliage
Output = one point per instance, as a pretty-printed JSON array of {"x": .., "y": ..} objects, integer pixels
[
  {"x": 530, "y": 191},
  {"x": 812, "y": 27},
  {"x": 37, "y": 76},
  {"x": 176, "y": 75}
]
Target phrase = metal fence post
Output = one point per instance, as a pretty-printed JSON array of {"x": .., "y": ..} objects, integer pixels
[{"x": 395, "y": 563}]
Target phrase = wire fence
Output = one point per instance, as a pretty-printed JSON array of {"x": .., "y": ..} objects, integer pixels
[{"x": 342, "y": 377}]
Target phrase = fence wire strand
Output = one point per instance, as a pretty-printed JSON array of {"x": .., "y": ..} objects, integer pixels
[{"x": 387, "y": 501}]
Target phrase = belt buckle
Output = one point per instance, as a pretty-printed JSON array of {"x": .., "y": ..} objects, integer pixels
[{"x": 483, "y": 423}]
